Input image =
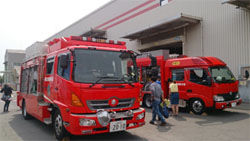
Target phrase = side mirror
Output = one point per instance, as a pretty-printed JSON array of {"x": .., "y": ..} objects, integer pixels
[
  {"x": 125, "y": 55},
  {"x": 209, "y": 80},
  {"x": 64, "y": 58},
  {"x": 153, "y": 61}
]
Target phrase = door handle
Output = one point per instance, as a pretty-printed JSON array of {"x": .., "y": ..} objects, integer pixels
[{"x": 189, "y": 91}]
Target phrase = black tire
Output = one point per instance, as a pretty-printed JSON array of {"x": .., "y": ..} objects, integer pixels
[
  {"x": 197, "y": 106},
  {"x": 58, "y": 127},
  {"x": 26, "y": 116},
  {"x": 147, "y": 102}
]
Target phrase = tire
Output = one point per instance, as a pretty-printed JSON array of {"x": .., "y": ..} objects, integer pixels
[
  {"x": 58, "y": 127},
  {"x": 26, "y": 116},
  {"x": 147, "y": 102},
  {"x": 197, "y": 106}
]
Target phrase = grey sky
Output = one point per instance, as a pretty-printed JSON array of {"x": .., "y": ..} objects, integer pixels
[{"x": 25, "y": 21}]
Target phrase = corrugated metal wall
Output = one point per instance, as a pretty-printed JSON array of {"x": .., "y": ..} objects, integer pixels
[{"x": 226, "y": 30}]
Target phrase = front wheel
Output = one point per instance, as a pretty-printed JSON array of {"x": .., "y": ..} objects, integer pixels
[
  {"x": 197, "y": 106},
  {"x": 59, "y": 129},
  {"x": 147, "y": 101},
  {"x": 26, "y": 116}
]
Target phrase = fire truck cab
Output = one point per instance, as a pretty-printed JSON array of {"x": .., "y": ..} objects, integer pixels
[
  {"x": 203, "y": 82},
  {"x": 82, "y": 86}
]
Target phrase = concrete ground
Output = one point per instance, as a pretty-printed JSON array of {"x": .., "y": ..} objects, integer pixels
[{"x": 228, "y": 125}]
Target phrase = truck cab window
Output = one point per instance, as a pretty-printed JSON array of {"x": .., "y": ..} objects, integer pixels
[
  {"x": 33, "y": 80},
  {"x": 50, "y": 66},
  {"x": 199, "y": 76},
  {"x": 178, "y": 75},
  {"x": 63, "y": 72},
  {"x": 24, "y": 81}
]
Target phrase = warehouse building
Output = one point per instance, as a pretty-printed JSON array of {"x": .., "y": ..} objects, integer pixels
[
  {"x": 12, "y": 64},
  {"x": 219, "y": 28}
]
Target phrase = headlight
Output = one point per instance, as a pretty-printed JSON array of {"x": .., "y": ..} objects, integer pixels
[
  {"x": 87, "y": 122},
  {"x": 103, "y": 117},
  {"x": 218, "y": 98},
  {"x": 237, "y": 96},
  {"x": 140, "y": 116},
  {"x": 129, "y": 113}
]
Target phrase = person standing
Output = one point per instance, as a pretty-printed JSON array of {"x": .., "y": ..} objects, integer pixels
[
  {"x": 174, "y": 96},
  {"x": 157, "y": 95},
  {"x": 7, "y": 90}
]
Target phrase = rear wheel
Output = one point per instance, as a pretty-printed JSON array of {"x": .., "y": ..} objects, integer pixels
[
  {"x": 59, "y": 129},
  {"x": 24, "y": 111},
  {"x": 147, "y": 102},
  {"x": 197, "y": 106}
]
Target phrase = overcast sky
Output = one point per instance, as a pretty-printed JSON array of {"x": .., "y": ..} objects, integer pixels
[{"x": 22, "y": 22}]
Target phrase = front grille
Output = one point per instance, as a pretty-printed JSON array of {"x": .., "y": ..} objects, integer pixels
[
  {"x": 228, "y": 96},
  {"x": 103, "y": 104},
  {"x": 126, "y": 118}
]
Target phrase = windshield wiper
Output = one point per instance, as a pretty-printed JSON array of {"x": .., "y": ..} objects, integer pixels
[
  {"x": 101, "y": 78},
  {"x": 127, "y": 82},
  {"x": 122, "y": 79}
]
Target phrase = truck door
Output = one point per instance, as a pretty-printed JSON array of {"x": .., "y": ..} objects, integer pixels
[
  {"x": 178, "y": 75},
  {"x": 199, "y": 87},
  {"x": 62, "y": 79}
]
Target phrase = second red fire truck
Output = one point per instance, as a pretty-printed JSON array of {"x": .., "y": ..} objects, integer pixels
[
  {"x": 82, "y": 86},
  {"x": 204, "y": 82}
]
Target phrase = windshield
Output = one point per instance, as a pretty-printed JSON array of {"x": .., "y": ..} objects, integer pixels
[
  {"x": 99, "y": 66},
  {"x": 221, "y": 74}
]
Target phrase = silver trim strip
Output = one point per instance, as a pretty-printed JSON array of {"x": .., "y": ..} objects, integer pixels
[
  {"x": 236, "y": 100},
  {"x": 94, "y": 115},
  {"x": 48, "y": 98}
]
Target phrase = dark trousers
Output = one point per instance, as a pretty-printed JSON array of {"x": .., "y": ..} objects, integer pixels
[
  {"x": 6, "y": 106},
  {"x": 156, "y": 111}
]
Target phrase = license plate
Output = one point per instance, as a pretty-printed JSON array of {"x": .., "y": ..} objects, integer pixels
[
  {"x": 117, "y": 126},
  {"x": 233, "y": 104}
]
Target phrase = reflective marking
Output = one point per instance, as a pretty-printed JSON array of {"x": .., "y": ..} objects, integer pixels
[
  {"x": 181, "y": 84},
  {"x": 48, "y": 79}
]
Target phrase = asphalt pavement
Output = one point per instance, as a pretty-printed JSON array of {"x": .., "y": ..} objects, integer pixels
[{"x": 227, "y": 125}]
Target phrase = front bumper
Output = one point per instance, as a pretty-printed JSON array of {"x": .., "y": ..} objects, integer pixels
[
  {"x": 74, "y": 127},
  {"x": 227, "y": 104}
]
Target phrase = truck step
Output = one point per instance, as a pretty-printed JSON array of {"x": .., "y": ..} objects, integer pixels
[
  {"x": 43, "y": 104},
  {"x": 47, "y": 121}
]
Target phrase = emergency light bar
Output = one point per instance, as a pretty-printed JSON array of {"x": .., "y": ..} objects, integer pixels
[{"x": 89, "y": 39}]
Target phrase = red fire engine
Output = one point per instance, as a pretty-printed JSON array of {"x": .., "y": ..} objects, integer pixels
[
  {"x": 82, "y": 86},
  {"x": 203, "y": 82}
]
